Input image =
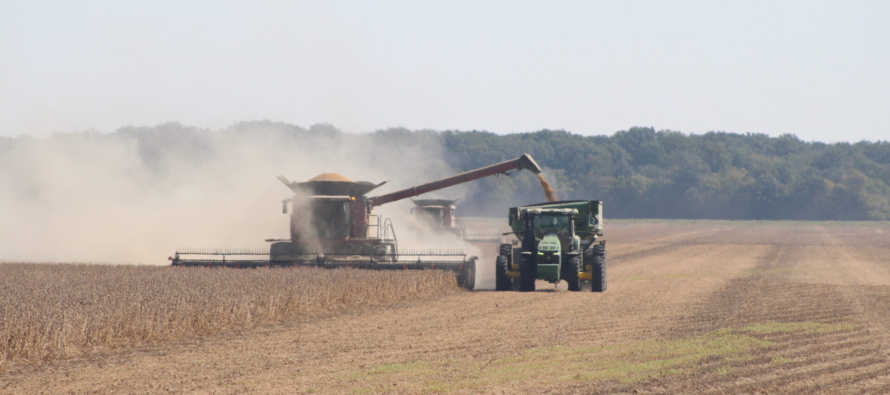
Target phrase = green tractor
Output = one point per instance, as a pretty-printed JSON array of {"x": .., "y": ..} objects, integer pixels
[{"x": 557, "y": 241}]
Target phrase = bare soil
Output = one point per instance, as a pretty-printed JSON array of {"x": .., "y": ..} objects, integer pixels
[{"x": 692, "y": 307}]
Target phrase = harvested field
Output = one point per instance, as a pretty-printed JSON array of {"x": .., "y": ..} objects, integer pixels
[{"x": 692, "y": 307}]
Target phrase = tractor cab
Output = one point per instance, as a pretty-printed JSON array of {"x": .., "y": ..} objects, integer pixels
[{"x": 554, "y": 228}]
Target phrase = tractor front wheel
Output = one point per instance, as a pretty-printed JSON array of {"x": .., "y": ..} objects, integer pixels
[
  {"x": 502, "y": 282},
  {"x": 528, "y": 272},
  {"x": 570, "y": 272}
]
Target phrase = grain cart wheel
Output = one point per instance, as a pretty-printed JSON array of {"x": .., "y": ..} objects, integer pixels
[
  {"x": 586, "y": 262},
  {"x": 528, "y": 272},
  {"x": 570, "y": 272},
  {"x": 505, "y": 249},
  {"x": 598, "y": 282},
  {"x": 501, "y": 281}
]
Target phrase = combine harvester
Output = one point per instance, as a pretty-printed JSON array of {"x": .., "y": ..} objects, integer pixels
[{"x": 333, "y": 225}]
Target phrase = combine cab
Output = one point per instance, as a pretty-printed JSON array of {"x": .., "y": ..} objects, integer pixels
[
  {"x": 333, "y": 225},
  {"x": 558, "y": 241}
]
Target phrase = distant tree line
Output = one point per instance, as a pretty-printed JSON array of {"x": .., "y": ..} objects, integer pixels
[
  {"x": 643, "y": 173},
  {"x": 638, "y": 173}
]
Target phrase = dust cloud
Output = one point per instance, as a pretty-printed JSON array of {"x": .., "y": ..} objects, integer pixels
[
  {"x": 301, "y": 227},
  {"x": 137, "y": 195}
]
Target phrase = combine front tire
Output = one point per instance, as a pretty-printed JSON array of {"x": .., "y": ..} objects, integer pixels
[{"x": 502, "y": 282}]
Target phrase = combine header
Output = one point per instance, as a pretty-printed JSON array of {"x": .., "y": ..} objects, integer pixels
[{"x": 333, "y": 225}]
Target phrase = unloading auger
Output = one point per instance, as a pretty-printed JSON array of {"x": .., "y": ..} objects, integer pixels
[{"x": 333, "y": 225}]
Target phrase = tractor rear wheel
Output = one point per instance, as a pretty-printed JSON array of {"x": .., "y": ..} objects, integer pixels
[
  {"x": 598, "y": 282},
  {"x": 502, "y": 282},
  {"x": 528, "y": 272},
  {"x": 570, "y": 272},
  {"x": 505, "y": 249}
]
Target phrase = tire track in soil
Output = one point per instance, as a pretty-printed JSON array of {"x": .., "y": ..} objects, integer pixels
[
  {"x": 710, "y": 236},
  {"x": 833, "y": 362},
  {"x": 870, "y": 297}
]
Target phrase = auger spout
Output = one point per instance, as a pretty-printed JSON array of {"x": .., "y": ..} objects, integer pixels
[{"x": 524, "y": 162}]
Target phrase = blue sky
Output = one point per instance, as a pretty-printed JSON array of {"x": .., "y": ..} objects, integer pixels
[{"x": 816, "y": 69}]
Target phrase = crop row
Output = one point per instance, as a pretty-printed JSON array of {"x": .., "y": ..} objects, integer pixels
[{"x": 51, "y": 311}]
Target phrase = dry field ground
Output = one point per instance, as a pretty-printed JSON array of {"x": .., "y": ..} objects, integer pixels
[{"x": 692, "y": 307}]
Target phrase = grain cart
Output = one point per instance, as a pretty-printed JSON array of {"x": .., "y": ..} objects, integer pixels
[
  {"x": 333, "y": 225},
  {"x": 557, "y": 241}
]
